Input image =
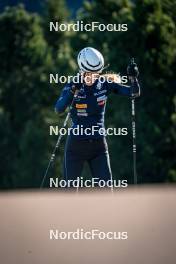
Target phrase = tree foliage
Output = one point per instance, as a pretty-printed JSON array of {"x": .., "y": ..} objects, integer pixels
[
  {"x": 151, "y": 39},
  {"x": 29, "y": 52}
]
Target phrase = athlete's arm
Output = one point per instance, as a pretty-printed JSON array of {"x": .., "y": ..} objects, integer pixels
[
  {"x": 132, "y": 90},
  {"x": 65, "y": 99}
]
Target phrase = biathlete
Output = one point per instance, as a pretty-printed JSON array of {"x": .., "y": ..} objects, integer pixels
[{"x": 88, "y": 103}]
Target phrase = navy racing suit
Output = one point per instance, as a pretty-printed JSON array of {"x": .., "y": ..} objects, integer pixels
[{"x": 87, "y": 113}]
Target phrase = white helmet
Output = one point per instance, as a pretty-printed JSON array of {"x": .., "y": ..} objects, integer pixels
[{"x": 90, "y": 60}]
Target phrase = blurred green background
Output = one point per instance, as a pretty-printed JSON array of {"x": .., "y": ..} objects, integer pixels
[{"x": 29, "y": 52}]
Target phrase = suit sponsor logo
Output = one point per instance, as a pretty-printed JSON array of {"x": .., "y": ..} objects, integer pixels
[
  {"x": 81, "y": 96},
  {"x": 101, "y": 98},
  {"x": 81, "y": 106},
  {"x": 82, "y": 114},
  {"x": 81, "y": 110},
  {"x": 100, "y": 92},
  {"x": 99, "y": 85},
  {"x": 101, "y": 103}
]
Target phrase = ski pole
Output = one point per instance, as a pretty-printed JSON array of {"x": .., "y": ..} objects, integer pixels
[
  {"x": 133, "y": 122},
  {"x": 53, "y": 155}
]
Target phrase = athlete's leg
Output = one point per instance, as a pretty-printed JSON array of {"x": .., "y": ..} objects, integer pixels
[
  {"x": 73, "y": 161},
  {"x": 100, "y": 167},
  {"x": 100, "y": 162}
]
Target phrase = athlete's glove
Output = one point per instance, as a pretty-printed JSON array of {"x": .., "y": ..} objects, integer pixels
[
  {"x": 76, "y": 86},
  {"x": 132, "y": 69},
  {"x": 73, "y": 88}
]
